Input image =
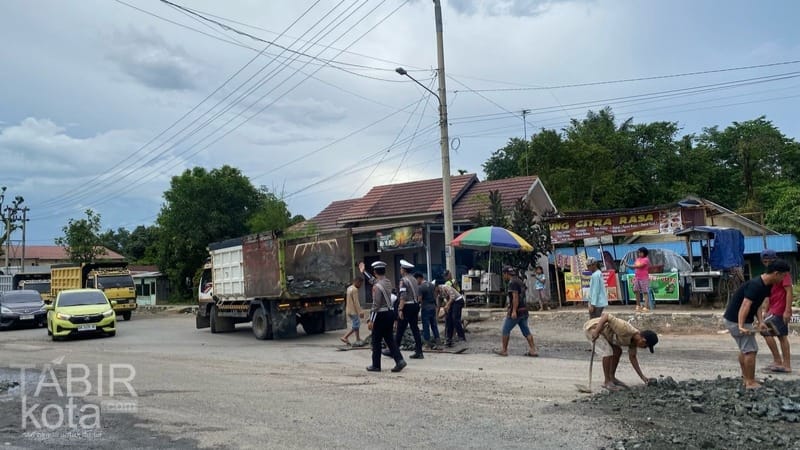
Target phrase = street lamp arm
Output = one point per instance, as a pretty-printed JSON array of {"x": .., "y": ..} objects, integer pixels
[{"x": 405, "y": 73}]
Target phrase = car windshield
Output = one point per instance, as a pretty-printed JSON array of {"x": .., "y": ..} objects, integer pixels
[
  {"x": 117, "y": 281},
  {"x": 21, "y": 297},
  {"x": 43, "y": 287},
  {"x": 81, "y": 298}
]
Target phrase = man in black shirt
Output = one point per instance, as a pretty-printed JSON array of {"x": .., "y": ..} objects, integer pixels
[
  {"x": 430, "y": 310},
  {"x": 517, "y": 313},
  {"x": 743, "y": 307}
]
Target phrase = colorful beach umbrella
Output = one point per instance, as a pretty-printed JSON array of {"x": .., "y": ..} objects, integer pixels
[{"x": 492, "y": 238}]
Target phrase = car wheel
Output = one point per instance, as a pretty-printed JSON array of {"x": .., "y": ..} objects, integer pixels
[
  {"x": 126, "y": 315},
  {"x": 262, "y": 326}
]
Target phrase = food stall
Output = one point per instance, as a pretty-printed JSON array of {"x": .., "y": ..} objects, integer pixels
[{"x": 720, "y": 269}]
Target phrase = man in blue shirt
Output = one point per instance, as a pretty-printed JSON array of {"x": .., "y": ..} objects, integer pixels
[{"x": 598, "y": 300}]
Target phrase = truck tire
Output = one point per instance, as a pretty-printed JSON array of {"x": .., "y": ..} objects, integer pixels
[
  {"x": 126, "y": 315},
  {"x": 262, "y": 325},
  {"x": 220, "y": 324},
  {"x": 314, "y": 323}
]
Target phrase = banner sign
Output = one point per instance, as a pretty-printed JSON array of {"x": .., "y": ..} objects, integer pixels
[
  {"x": 400, "y": 238},
  {"x": 577, "y": 286},
  {"x": 665, "y": 286},
  {"x": 643, "y": 222}
]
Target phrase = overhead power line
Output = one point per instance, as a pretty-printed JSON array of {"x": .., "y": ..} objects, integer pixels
[{"x": 629, "y": 80}]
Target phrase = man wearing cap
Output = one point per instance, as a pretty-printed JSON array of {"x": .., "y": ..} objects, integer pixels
[
  {"x": 609, "y": 334},
  {"x": 743, "y": 307},
  {"x": 408, "y": 311},
  {"x": 381, "y": 320},
  {"x": 598, "y": 300},
  {"x": 429, "y": 309},
  {"x": 779, "y": 314},
  {"x": 517, "y": 313}
]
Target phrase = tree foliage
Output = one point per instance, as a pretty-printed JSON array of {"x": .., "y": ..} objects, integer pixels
[
  {"x": 137, "y": 246},
  {"x": 8, "y": 217},
  {"x": 81, "y": 238},
  {"x": 599, "y": 162},
  {"x": 202, "y": 207}
]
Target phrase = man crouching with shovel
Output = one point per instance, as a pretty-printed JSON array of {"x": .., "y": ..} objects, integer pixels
[{"x": 608, "y": 334}]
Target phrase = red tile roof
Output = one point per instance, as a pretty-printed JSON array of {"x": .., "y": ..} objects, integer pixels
[
  {"x": 415, "y": 197},
  {"x": 327, "y": 218},
  {"x": 52, "y": 253},
  {"x": 477, "y": 198}
]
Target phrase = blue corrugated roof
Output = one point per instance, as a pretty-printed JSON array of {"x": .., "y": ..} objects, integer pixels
[{"x": 782, "y": 243}]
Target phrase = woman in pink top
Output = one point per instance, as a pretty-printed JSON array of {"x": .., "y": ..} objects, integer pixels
[{"x": 641, "y": 279}]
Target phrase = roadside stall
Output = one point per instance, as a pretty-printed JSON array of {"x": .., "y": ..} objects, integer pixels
[
  {"x": 669, "y": 276},
  {"x": 719, "y": 270},
  {"x": 598, "y": 228}
]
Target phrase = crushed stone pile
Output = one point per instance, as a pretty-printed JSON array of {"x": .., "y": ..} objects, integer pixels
[{"x": 704, "y": 414}]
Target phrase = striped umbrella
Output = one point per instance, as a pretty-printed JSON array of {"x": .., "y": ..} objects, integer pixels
[{"x": 492, "y": 238}]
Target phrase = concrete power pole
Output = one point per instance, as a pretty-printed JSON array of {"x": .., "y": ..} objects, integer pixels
[
  {"x": 24, "y": 221},
  {"x": 447, "y": 198}
]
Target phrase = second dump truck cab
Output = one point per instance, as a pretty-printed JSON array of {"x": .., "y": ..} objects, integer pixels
[
  {"x": 276, "y": 284},
  {"x": 38, "y": 281},
  {"x": 113, "y": 278}
]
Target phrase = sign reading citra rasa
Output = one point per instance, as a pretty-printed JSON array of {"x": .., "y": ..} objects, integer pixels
[
  {"x": 68, "y": 400},
  {"x": 665, "y": 221}
]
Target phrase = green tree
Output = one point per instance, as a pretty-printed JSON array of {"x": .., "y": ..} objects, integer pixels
[
  {"x": 201, "y": 207},
  {"x": 115, "y": 240},
  {"x": 272, "y": 214},
  {"x": 785, "y": 215},
  {"x": 534, "y": 229},
  {"x": 81, "y": 238}
]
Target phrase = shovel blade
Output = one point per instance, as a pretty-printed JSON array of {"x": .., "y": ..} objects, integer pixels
[{"x": 583, "y": 388}]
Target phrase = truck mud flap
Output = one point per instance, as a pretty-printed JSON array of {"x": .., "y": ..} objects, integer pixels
[
  {"x": 202, "y": 321},
  {"x": 335, "y": 318},
  {"x": 284, "y": 322}
]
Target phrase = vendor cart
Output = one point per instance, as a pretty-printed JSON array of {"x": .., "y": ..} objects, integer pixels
[{"x": 720, "y": 269}]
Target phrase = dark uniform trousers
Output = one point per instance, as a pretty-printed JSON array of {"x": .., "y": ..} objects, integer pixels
[
  {"x": 410, "y": 318},
  {"x": 382, "y": 331},
  {"x": 452, "y": 322}
]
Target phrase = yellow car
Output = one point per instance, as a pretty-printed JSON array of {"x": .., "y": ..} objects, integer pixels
[{"x": 78, "y": 312}]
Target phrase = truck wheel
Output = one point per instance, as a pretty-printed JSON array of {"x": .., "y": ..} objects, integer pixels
[
  {"x": 262, "y": 326},
  {"x": 126, "y": 315},
  {"x": 314, "y": 323},
  {"x": 220, "y": 324}
]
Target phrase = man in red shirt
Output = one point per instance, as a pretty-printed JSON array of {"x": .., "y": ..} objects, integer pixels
[{"x": 779, "y": 314}]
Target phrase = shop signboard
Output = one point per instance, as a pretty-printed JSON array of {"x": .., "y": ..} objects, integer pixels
[
  {"x": 577, "y": 286},
  {"x": 400, "y": 238},
  {"x": 665, "y": 286},
  {"x": 654, "y": 221}
]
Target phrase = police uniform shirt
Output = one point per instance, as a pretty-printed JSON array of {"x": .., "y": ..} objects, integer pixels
[
  {"x": 381, "y": 292},
  {"x": 408, "y": 289}
]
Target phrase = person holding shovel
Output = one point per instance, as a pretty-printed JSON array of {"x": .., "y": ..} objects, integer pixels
[{"x": 608, "y": 335}]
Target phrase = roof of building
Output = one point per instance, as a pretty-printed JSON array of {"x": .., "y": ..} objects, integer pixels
[
  {"x": 53, "y": 253},
  {"x": 477, "y": 198},
  {"x": 415, "y": 197},
  {"x": 327, "y": 218}
]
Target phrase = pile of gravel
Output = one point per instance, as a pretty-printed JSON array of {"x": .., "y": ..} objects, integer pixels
[
  {"x": 6, "y": 385},
  {"x": 707, "y": 414}
]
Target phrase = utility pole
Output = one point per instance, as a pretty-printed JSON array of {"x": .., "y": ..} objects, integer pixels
[
  {"x": 525, "y": 112},
  {"x": 24, "y": 221},
  {"x": 447, "y": 198},
  {"x": 8, "y": 233}
]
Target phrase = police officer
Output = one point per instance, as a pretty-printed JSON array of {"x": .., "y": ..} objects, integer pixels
[
  {"x": 381, "y": 320},
  {"x": 408, "y": 315}
]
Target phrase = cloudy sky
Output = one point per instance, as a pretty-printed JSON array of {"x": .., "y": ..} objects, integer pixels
[{"x": 102, "y": 101}]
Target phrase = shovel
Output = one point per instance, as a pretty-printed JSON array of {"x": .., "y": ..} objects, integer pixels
[{"x": 583, "y": 388}]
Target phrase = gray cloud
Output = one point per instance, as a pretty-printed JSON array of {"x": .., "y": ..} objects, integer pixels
[{"x": 149, "y": 59}]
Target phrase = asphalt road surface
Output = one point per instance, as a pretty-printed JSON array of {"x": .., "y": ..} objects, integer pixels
[{"x": 198, "y": 390}]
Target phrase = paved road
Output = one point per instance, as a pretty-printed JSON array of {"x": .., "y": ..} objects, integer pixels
[{"x": 195, "y": 389}]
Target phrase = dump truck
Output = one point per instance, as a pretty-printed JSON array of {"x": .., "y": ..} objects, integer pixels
[
  {"x": 113, "y": 278},
  {"x": 38, "y": 281},
  {"x": 276, "y": 284}
]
